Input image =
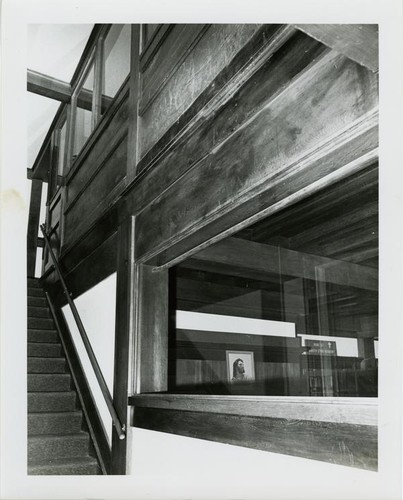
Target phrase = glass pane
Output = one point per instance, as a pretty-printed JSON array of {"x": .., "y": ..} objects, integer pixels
[
  {"x": 117, "y": 61},
  {"x": 62, "y": 149},
  {"x": 288, "y": 306},
  {"x": 83, "y": 118}
]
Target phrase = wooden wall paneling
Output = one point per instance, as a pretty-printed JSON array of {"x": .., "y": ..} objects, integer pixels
[
  {"x": 133, "y": 102},
  {"x": 278, "y": 139},
  {"x": 224, "y": 41},
  {"x": 178, "y": 44},
  {"x": 101, "y": 148},
  {"x": 271, "y": 69},
  {"x": 150, "y": 45},
  {"x": 86, "y": 271},
  {"x": 33, "y": 225},
  {"x": 344, "y": 444},
  {"x": 102, "y": 192},
  {"x": 359, "y": 42},
  {"x": 152, "y": 325},
  {"x": 123, "y": 331}
]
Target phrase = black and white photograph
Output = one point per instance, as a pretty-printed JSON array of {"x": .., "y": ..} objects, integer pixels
[{"x": 202, "y": 259}]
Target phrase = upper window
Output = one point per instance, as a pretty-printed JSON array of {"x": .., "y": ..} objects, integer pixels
[
  {"x": 288, "y": 306},
  {"x": 84, "y": 118},
  {"x": 105, "y": 74},
  {"x": 116, "y": 61}
]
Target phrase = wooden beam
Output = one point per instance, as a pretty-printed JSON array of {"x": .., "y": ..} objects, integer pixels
[
  {"x": 358, "y": 42},
  {"x": 241, "y": 256},
  {"x": 47, "y": 86}
]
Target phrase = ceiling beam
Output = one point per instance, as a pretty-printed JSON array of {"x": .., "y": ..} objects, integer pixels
[
  {"x": 48, "y": 86},
  {"x": 358, "y": 42}
]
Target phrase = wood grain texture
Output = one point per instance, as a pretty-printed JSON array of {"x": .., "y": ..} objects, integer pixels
[
  {"x": 48, "y": 86},
  {"x": 344, "y": 444},
  {"x": 192, "y": 78},
  {"x": 160, "y": 69},
  {"x": 359, "y": 42},
  {"x": 269, "y": 143},
  {"x": 103, "y": 190},
  {"x": 152, "y": 326},
  {"x": 122, "y": 338},
  {"x": 360, "y": 411}
]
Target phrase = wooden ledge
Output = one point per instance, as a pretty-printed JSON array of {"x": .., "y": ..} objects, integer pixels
[{"x": 355, "y": 411}]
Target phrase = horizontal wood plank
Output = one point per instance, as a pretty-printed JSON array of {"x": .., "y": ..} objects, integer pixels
[{"x": 344, "y": 444}]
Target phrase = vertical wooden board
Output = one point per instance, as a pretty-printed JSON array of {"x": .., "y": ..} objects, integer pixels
[
  {"x": 133, "y": 102},
  {"x": 152, "y": 327},
  {"x": 194, "y": 75},
  {"x": 123, "y": 328}
]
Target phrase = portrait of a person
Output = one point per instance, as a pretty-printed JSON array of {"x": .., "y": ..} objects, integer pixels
[{"x": 238, "y": 370}]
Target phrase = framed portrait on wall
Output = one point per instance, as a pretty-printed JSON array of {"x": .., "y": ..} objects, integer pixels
[{"x": 240, "y": 366}]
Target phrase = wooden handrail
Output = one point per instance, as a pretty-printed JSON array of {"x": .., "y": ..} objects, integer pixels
[{"x": 98, "y": 373}]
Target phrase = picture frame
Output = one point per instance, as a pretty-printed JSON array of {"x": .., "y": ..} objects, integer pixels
[{"x": 240, "y": 366}]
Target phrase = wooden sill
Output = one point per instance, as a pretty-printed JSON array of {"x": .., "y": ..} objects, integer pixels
[{"x": 356, "y": 411}]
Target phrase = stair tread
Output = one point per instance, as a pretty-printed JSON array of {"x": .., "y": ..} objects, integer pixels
[
  {"x": 85, "y": 465},
  {"x": 85, "y": 459},
  {"x": 56, "y": 413},
  {"x": 60, "y": 437}
]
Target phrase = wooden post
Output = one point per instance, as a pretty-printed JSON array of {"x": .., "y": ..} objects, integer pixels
[
  {"x": 124, "y": 327},
  {"x": 132, "y": 152}
]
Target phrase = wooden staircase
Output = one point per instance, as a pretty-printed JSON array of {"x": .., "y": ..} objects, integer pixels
[{"x": 57, "y": 440}]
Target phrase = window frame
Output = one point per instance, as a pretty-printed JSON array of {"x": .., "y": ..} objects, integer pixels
[{"x": 330, "y": 419}]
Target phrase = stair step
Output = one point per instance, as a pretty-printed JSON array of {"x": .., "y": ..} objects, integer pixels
[
  {"x": 44, "y": 349},
  {"x": 46, "y": 365},
  {"x": 33, "y": 282},
  {"x": 51, "y": 446},
  {"x": 44, "y": 402},
  {"x": 44, "y": 382},
  {"x": 36, "y": 292},
  {"x": 43, "y": 336},
  {"x": 41, "y": 323},
  {"x": 38, "y": 312},
  {"x": 79, "y": 466},
  {"x": 54, "y": 423},
  {"x": 37, "y": 302}
]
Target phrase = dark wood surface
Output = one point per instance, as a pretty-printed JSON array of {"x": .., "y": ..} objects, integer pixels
[
  {"x": 222, "y": 40},
  {"x": 264, "y": 143},
  {"x": 124, "y": 305},
  {"x": 180, "y": 41},
  {"x": 48, "y": 86},
  {"x": 152, "y": 324},
  {"x": 344, "y": 444},
  {"x": 133, "y": 101}
]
